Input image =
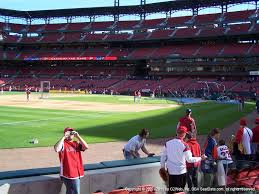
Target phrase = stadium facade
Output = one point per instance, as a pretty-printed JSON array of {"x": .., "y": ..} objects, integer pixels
[{"x": 166, "y": 54}]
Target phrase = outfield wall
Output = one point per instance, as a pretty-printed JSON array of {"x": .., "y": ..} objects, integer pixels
[{"x": 104, "y": 176}]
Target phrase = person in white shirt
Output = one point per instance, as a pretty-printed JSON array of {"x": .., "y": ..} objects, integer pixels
[
  {"x": 224, "y": 162},
  {"x": 244, "y": 137},
  {"x": 174, "y": 155},
  {"x": 131, "y": 149}
]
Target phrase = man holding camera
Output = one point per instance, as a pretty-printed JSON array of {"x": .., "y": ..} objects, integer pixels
[{"x": 71, "y": 163}]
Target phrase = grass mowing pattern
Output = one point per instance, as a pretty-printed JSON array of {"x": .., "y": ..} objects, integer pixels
[{"x": 19, "y": 125}]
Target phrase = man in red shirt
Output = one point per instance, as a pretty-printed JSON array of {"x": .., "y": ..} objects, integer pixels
[
  {"x": 255, "y": 140},
  {"x": 188, "y": 122},
  {"x": 71, "y": 164},
  {"x": 192, "y": 168}
]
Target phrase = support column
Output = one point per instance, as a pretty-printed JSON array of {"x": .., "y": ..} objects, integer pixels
[
  {"x": 143, "y": 14},
  {"x": 116, "y": 17},
  {"x": 195, "y": 11}
]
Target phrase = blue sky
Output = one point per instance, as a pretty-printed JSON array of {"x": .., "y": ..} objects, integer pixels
[{"x": 60, "y": 4}]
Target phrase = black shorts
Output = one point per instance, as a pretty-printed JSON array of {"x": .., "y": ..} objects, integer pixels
[{"x": 177, "y": 183}]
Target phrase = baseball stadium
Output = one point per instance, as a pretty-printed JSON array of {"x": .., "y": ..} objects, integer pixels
[{"x": 106, "y": 71}]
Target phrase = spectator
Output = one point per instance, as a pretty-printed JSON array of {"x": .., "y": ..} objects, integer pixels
[
  {"x": 174, "y": 156},
  {"x": 188, "y": 122},
  {"x": 131, "y": 149},
  {"x": 192, "y": 168},
  {"x": 208, "y": 166},
  {"x": 71, "y": 164},
  {"x": 224, "y": 163},
  {"x": 255, "y": 140},
  {"x": 244, "y": 138},
  {"x": 135, "y": 95},
  {"x": 257, "y": 105},
  {"x": 139, "y": 96}
]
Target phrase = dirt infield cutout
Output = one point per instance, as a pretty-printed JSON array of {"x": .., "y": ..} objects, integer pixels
[{"x": 35, "y": 102}]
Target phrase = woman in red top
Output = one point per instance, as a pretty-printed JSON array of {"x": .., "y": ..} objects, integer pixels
[{"x": 71, "y": 164}]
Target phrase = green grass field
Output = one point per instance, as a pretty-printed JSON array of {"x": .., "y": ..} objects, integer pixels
[{"x": 19, "y": 125}]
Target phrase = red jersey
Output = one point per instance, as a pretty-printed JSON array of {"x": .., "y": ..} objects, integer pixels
[
  {"x": 255, "y": 134},
  {"x": 196, "y": 152},
  {"x": 71, "y": 163},
  {"x": 188, "y": 122}
]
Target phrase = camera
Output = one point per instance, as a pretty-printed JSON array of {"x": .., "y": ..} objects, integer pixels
[{"x": 72, "y": 132}]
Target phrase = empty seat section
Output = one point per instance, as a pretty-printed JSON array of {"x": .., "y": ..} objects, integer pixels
[
  {"x": 151, "y": 24},
  {"x": 16, "y": 27},
  {"x": 1, "y": 56},
  {"x": 46, "y": 54},
  {"x": 35, "y": 28},
  {"x": 101, "y": 25},
  {"x": 24, "y": 55},
  {"x": 139, "y": 36},
  {"x": 238, "y": 15},
  {"x": 126, "y": 25},
  {"x": 120, "y": 52},
  {"x": 207, "y": 18},
  {"x": 238, "y": 29},
  {"x": 10, "y": 38},
  {"x": 210, "y": 50},
  {"x": 94, "y": 53},
  {"x": 2, "y": 26},
  {"x": 72, "y": 37},
  {"x": 94, "y": 37},
  {"x": 236, "y": 49},
  {"x": 29, "y": 39},
  {"x": 142, "y": 53},
  {"x": 185, "y": 32},
  {"x": 77, "y": 26},
  {"x": 186, "y": 50},
  {"x": 163, "y": 52},
  {"x": 254, "y": 50},
  {"x": 207, "y": 32},
  {"x": 256, "y": 28},
  {"x": 53, "y": 37},
  {"x": 177, "y": 21},
  {"x": 69, "y": 54},
  {"x": 11, "y": 55},
  {"x": 158, "y": 34},
  {"x": 53, "y": 27},
  {"x": 118, "y": 37}
]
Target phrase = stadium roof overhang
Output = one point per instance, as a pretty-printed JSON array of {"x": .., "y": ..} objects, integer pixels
[{"x": 121, "y": 10}]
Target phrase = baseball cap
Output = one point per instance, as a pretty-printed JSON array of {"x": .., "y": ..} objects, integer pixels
[
  {"x": 188, "y": 110},
  {"x": 242, "y": 121},
  {"x": 68, "y": 129},
  {"x": 257, "y": 120},
  {"x": 182, "y": 129}
]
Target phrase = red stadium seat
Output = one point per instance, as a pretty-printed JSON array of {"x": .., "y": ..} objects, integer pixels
[
  {"x": 144, "y": 189},
  {"x": 119, "y": 191}
]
